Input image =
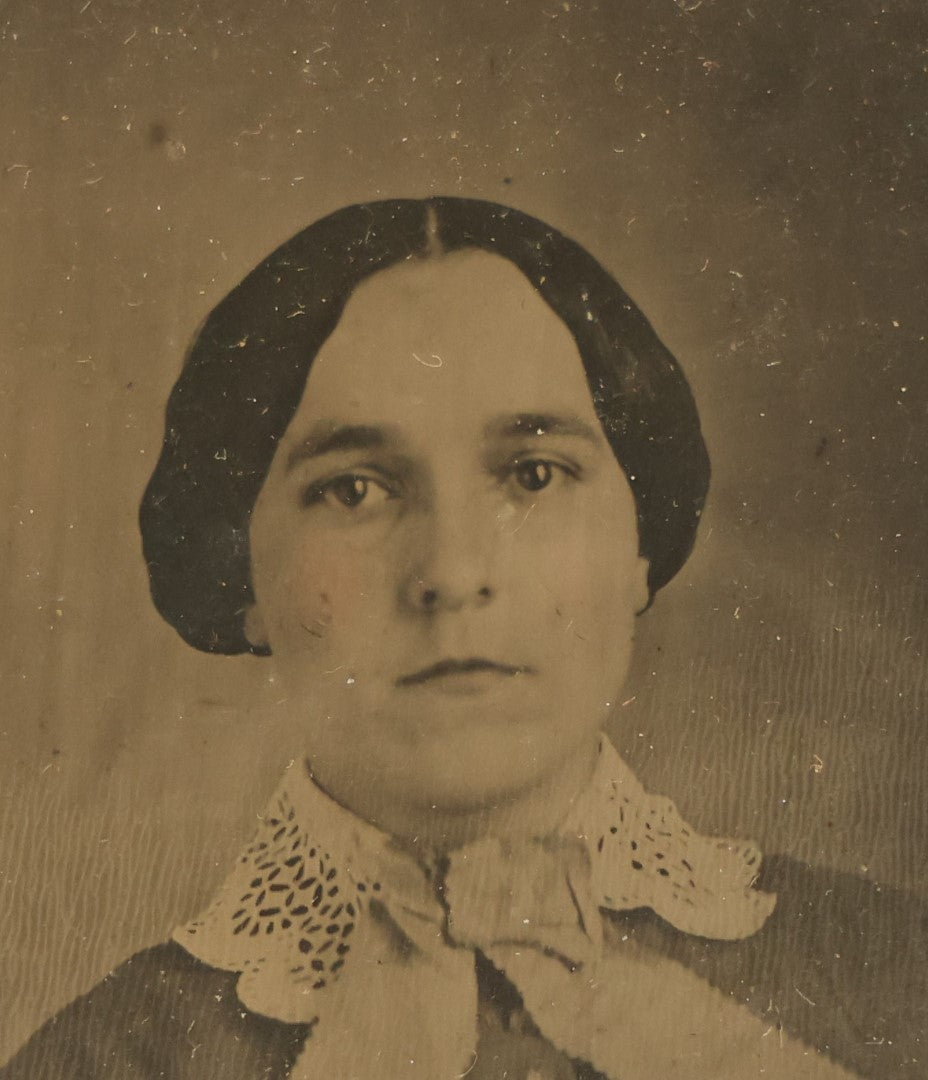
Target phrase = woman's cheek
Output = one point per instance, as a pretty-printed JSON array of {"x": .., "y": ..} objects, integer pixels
[
  {"x": 344, "y": 597},
  {"x": 304, "y": 596},
  {"x": 578, "y": 567},
  {"x": 592, "y": 603}
]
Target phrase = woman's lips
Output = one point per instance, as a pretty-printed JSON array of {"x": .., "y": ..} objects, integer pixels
[{"x": 453, "y": 670}]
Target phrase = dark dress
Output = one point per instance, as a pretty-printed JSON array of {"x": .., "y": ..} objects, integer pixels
[{"x": 841, "y": 964}]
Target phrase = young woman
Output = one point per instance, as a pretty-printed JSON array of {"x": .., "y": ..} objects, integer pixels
[{"x": 431, "y": 461}]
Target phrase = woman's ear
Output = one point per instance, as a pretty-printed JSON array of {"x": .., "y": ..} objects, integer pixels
[
  {"x": 641, "y": 593},
  {"x": 255, "y": 628}
]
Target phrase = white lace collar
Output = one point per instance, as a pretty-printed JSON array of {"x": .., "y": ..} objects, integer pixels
[{"x": 330, "y": 923}]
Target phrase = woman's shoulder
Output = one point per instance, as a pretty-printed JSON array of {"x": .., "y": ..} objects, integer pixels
[
  {"x": 842, "y": 963},
  {"x": 161, "y": 1013}
]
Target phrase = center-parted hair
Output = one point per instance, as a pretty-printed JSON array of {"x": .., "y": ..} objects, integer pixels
[{"x": 246, "y": 372}]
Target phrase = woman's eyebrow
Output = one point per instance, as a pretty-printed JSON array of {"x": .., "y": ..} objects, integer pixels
[
  {"x": 523, "y": 424},
  {"x": 331, "y": 439}
]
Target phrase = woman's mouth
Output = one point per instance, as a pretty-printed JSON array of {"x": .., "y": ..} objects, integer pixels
[{"x": 469, "y": 675}]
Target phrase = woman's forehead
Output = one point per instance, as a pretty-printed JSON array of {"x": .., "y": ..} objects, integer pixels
[{"x": 452, "y": 340}]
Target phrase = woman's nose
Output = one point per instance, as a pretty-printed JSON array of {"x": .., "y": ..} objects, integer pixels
[{"x": 450, "y": 565}]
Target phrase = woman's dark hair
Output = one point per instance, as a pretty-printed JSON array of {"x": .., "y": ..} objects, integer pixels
[{"x": 245, "y": 374}]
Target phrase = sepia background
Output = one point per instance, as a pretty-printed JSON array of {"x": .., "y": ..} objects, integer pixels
[{"x": 753, "y": 173}]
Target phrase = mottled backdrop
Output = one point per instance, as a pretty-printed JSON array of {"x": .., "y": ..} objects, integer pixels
[{"x": 754, "y": 173}]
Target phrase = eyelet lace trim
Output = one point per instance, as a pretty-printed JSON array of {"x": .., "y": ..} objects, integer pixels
[{"x": 298, "y": 905}]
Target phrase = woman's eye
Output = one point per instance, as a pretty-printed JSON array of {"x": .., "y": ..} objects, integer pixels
[
  {"x": 533, "y": 475},
  {"x": 347, "y": 492}
]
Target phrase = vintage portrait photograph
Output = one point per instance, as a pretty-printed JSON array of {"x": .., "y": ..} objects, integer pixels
[{"x": 464, "y": 485}]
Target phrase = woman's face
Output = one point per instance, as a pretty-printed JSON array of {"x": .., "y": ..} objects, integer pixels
[{"x": 445, "y": 551}]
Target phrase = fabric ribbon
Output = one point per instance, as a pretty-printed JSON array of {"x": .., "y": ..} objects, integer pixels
[{"x": 329, "y": 923}]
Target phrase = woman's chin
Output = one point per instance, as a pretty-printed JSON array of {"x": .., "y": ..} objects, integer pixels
[
  {"x": 473, "y": 777},
  {"x": 452, "y": 752}
]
